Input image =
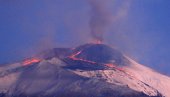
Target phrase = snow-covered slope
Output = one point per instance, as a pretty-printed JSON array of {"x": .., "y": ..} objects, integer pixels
[
  {"x": 91, "y": 70},
  {"x": 151, "y": 77}
]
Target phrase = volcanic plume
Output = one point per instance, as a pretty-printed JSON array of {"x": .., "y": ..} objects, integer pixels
[{"x": 99, "y": 19}]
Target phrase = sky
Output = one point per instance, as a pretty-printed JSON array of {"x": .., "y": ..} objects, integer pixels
[{"x": 138, "y": 28}]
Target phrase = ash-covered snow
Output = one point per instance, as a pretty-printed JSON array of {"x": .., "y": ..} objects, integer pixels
[{"x": 59, "y": 75}]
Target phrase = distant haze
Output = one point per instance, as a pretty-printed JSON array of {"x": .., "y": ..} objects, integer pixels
[{"x": 139, "y": 28}]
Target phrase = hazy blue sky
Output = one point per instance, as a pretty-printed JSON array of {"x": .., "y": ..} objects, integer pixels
[{"x": 140, "y": 28}]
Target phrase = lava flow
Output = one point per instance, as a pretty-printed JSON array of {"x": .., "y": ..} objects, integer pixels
[
  {"x": 75, "y": 58},
  {"x": 30, "y": 61},
  {"x": 110, "y": 65}
]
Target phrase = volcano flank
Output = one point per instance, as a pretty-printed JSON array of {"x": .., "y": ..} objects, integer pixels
[
  {"x": 100, "y": 53},
  {"x": 90, "y": 70}
]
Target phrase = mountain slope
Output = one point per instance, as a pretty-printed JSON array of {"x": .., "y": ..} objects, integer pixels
[
  {"x": 151, "y": 77},
  {"x": 90, "y": 70}
]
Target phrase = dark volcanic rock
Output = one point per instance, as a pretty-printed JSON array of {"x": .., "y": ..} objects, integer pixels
[
  {"x": 101, "y": 53},
  {"x": 58, "y": 77},
  {"x": 48, "y": 80},
  {"x": 78, "y": 64}
]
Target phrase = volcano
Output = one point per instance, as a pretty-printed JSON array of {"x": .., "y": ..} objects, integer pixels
[
  {"x": 100, "y": 53},
  {"x": 90, "y": 70}
]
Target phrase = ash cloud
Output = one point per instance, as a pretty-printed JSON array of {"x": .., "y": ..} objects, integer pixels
[{"x": 101, "y": 17}]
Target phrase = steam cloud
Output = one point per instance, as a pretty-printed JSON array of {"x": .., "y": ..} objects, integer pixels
[
  {"x": 101, "y": 16},
  {"x": 99, "y": 19}
]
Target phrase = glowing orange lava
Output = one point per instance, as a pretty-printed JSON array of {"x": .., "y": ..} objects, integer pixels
[
  {"x": 95, "y": 41},
  {"x": 74, "y": 55},
  {"x": 98, "y": 42},
  {"x": 31, "y": 61},
  {"x": 110, "y": 65},
  {"x": 75, "y": 58}
]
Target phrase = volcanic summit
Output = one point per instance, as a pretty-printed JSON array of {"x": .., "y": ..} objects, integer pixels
[
  {"x": 90, "y": 70},
  {"x": 100, "y": 53}
]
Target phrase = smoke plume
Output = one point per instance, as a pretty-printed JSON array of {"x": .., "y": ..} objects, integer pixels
[{"x": 99, "y": 19}]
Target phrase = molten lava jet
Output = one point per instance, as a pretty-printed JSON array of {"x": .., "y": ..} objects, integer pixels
[{"x": 30, "y": 61}]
